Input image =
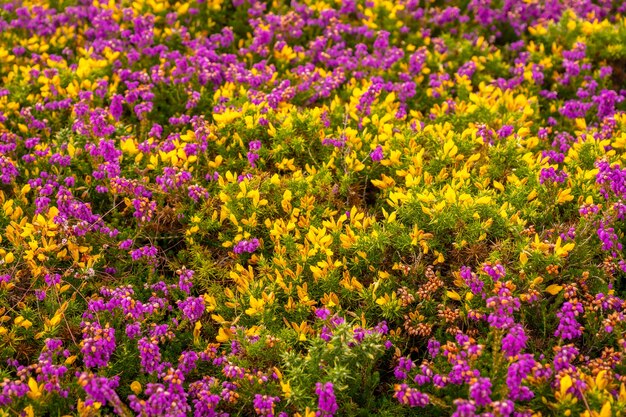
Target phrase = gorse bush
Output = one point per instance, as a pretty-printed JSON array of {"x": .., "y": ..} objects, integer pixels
[{"x": 315, "y": 208}]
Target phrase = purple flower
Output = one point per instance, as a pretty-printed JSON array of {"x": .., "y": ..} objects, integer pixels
[
  {"x": 480, "y": 392},
  {"x": 468, "y": 69},
  {"x": 433, "y": 347},
  {"x": 8, "y": 171},
  {"x": 516, "y": 373},
  {"x": 503, "y": 306},
  {"x": 52, "y": 279},
  {"x": 326, "y": 334},
  {"x": 377, "y": 154},
  {"x": 197, "y": 192},
  {"x": 403, "y": 368},
  {"x": 327, "y": 404},
  {"x": 514, "y": 341},
  {"x": 149, "y": 355},
  {"x": 144, "y": 209},
  {"x": 205, "y": 402},
  {"x": 569, "y": 328},
  {"x": 552, "y": 175},
  {"x": 252, "y": 158},
  {"x": 126, "y": 244},
  {"x": 184, "y": 279},
  {"x": 564, "y": 357},
  {"x": 156, "y": 131},
  {"x": 504, "y": 408},
  {"x": 172, "y": 178},
  {"x": 496, "y": 272},
  {"x": 612, "y": 178},
  {"x": 246, "y": 246},
  {"x": 464, "y": 408},
  {"x": 102, "y": 390},
  {"x": 49, "y": 373},
  {"x": 486, "y": 134},
  {"x": 264, "y": 404},
  {"x": 505, "y": 131},
  {"x": 322, "y": 313},
  {"x": 163, "y": 400},
  {"x": 192, "y": 308},
  {"x": 97, "y": 345},
  {"x": 472, "y": 280},
  {"x": 605, "y": 71},
  {"x": 133, "y": 330},
  {"x": 187, "y": 361},
  {"x": 116, "y": 108},
  {"x": 382, "y": 41},
  {"x": 410, "y": 396},
  {"x": 337, "y": 143},
  {"x": 608, "y": 237},
  {"x": 337, "y": 321},
  {"x": 147, "y": 251}
]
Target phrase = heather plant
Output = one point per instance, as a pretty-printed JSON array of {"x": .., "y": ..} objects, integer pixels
[{"x": 308, "y": 208}]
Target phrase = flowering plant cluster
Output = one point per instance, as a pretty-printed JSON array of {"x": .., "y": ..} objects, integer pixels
[{"x": 312, "y": 208}]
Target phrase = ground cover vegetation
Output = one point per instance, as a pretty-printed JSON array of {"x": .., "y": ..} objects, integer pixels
[{"x": 312, "y": 208}]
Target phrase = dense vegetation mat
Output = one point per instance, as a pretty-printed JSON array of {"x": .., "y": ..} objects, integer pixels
[{"x": 312, "y": 208}]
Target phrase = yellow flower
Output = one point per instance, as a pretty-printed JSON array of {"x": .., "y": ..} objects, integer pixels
[
  {"x": 136, "y": 387},
  {"x": 286, "y": 387},
  {"x": 9, "y": 258},
  {"x": 223, "y": 335},
  {"x": 307, "y": 412},
  {"x": 21, "y": 321},
  {"x": 257, "y": 306},
  {"x": 35, "y": 389},
  {"x": 302, "y": 329}
]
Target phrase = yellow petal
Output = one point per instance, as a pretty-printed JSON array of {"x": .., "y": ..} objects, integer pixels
[
  {"x": 223, "y": 335},
  {"x": 523, "y": 258},
  {"x": 566, "y": 383},
  {"x": 136, "y": 387},
  {"x": 286, "y": 387},
  {"x": 34, "y": 389},
  {"x": 9, "y": 258},
  {"x": 554, "y": 289},
  {"x": 601, "y": 380},
  {"x": 454, "y": 295}
]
